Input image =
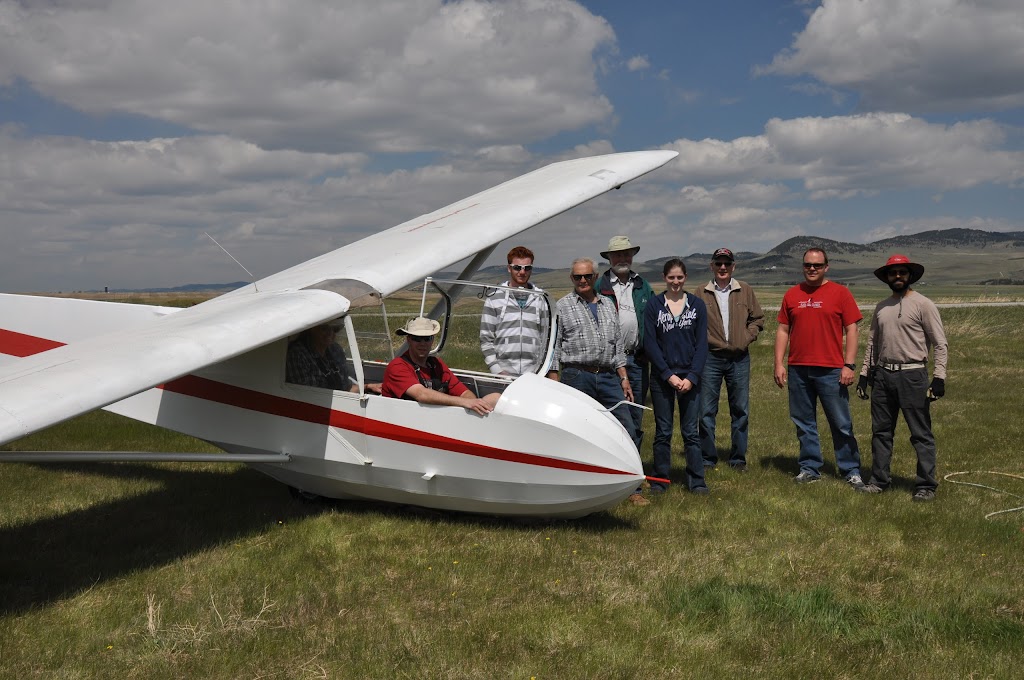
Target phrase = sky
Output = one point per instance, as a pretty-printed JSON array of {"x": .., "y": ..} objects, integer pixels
[{"x": 286, "y": 128}]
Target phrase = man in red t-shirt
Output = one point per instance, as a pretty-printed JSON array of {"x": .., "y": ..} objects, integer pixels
[
  {"x": 815, "y": 318},
  {"x": 420, "y": 377}
]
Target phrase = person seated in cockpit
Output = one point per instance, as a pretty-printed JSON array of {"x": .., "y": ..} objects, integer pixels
[
  {"x": 420, "y": 377},
  {"x": 315, "y": 359}
]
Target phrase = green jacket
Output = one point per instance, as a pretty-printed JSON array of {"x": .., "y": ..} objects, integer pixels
[{"x": 642, "y": 292}]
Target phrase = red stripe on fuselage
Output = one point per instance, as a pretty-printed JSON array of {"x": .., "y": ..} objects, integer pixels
[
  {"x": 21, "y": 345},
  {"x": 241, "y": 397}
]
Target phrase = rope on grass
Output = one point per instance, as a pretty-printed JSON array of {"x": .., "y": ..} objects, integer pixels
[{"x": 990, "y": 488}]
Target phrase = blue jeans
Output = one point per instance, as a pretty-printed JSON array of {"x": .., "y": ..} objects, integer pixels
[
  {"x": 663, "y": 399},
  {"x": 637, "y": 374},
  {"x": 736, "y": 373},
  {"x": 806, "y": 385},
  {"x": 605, "y": 389}
]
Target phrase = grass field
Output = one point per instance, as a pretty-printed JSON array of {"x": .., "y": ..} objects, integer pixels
[{"x": 175, "y": 570}]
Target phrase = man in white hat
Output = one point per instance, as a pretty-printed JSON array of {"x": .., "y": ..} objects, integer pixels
[
  {"x": 630, "y": 292},
  {"x": 420, "y": 377},
  {"x": 906, "y": 325}
]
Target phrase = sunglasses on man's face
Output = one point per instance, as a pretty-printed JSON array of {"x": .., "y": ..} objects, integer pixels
[
  {"x": 721, "y": 264},
  {"x": 417, "y": 338},
  {"x": 521, "y": 267},
  {"x": 814, "y": 265},
  {"x": 582, "y": 277}
]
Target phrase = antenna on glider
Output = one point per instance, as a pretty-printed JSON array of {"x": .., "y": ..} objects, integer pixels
[{"x": 251, "y": 277}]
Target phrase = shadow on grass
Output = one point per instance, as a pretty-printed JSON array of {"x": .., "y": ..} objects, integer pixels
[
  {"x": 192, "y": 511},
  {"x": 788, "y": 465}
]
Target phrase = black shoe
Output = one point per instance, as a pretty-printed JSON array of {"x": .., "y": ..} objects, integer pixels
[
  {"x": 700, "y": 491},
  {"x": 923, "y": 496},
  {"x": 738, "y": 467},
  {"x": 708, "y": 465},
  {"x": 657, "y": 488}
]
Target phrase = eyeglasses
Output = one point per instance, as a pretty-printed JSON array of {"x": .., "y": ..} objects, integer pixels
[
  {"x": 582, "y": 277},
  {"x": 417, "y": 338},
  {"x": 521, "y": 267},
  {"x": 721, "y": 264},
  {"x": 815, "y": 265}
]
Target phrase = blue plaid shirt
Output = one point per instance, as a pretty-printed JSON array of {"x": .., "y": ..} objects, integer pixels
[{"x": 580, "y": 339}]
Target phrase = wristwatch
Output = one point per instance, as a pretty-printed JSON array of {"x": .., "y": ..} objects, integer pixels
[{"x": 852, "y": 367}]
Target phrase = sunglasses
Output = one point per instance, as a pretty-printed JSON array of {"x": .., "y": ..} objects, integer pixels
[
  {"x": 899, "y": 272},
  {"x": 815, "y": 265},
  {"x": 582, "y": 277},
  {"x": 521, "y": 267},
  {"x": 722, "y": 264},
  {"x": 419, "y": 338}
]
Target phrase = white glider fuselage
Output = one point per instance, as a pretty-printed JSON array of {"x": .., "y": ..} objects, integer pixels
[
  {"x": 545, "y": 450},
  {"x": 216, "y": 371}
]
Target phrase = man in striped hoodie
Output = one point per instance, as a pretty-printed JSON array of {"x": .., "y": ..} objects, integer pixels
[{"x": 514, "y": 326}]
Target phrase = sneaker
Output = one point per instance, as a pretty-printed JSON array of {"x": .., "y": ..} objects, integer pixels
[
  {"x": 700, "y": 491},
  {"x": 870, "y": 488},
  {"x": 806, "y": 477},
  {"x": 637, "y": 499},
  {"x": 738, "y": 467},
  {"x": 923, "y": 495},
  {"x": 854, "y": 480}
]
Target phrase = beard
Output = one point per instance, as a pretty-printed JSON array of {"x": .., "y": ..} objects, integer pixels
[
  {"x": 621, "y": 269},
  {"x": 897, "y": 286}
]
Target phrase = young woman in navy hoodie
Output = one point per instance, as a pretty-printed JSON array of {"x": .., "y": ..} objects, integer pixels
[{"x": 676, "y": 344}]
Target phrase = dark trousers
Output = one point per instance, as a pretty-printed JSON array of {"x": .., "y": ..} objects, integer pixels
[
  {"x": 906, "y": 392},
  {"x": 664, "y": 399}
]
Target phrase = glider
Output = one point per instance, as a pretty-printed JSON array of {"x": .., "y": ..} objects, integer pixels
[{"x": 215, "y": 371}]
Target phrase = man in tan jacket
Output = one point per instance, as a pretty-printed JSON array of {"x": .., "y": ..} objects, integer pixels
[{"x": 734, "y": 320}]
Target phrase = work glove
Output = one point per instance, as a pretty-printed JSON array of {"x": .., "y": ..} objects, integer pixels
[
  {"x": 937, "y": 389},
  {"x": 862, "y": 387}
]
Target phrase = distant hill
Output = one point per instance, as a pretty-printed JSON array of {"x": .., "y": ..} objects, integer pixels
[
  {"x": 189, "y": 288},
  {"x": 967, "y": 256}
]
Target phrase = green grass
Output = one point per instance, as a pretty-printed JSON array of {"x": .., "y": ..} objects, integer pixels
[{"x": 167, "y": 571}]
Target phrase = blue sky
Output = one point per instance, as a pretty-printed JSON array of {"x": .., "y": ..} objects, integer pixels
[{"x": 128, "y": 128}]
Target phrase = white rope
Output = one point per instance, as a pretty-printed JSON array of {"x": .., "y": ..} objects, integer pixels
[{"x": 990, "y": 488}]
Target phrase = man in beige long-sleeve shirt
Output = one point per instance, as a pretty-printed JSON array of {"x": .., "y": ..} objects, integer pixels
[{"x": 906, "y": 325}]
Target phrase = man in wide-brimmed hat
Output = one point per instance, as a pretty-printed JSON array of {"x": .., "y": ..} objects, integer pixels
[
  {"x": 630, "y": 292},
  {"x": 906, "y": 325},
  {"x": 418, "y": 376}
]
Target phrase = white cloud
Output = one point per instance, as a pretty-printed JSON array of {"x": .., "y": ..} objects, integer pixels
[
  {"x": 914, "y": 55},
  {"x": 845, "y": 156},
  {"x": 391, "y": 75},
  {"x": 638, "y": 63}
]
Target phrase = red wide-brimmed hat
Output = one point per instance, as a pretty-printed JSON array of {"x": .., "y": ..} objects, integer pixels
[{"x": 916, "y": 270}]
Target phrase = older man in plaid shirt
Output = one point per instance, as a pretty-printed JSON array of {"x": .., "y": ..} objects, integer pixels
[{"x": 588, "y": 348}]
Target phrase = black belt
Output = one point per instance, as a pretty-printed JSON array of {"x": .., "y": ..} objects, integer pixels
[{"x": 589, "y": 368}]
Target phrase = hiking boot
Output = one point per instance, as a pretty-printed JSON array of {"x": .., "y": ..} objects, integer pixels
[
  {"x": 854, "y": 480},
  {"x": 923, "y": 495},
  {"x": 638, "y": 499},
  {"x": 806, "y": 477}
]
